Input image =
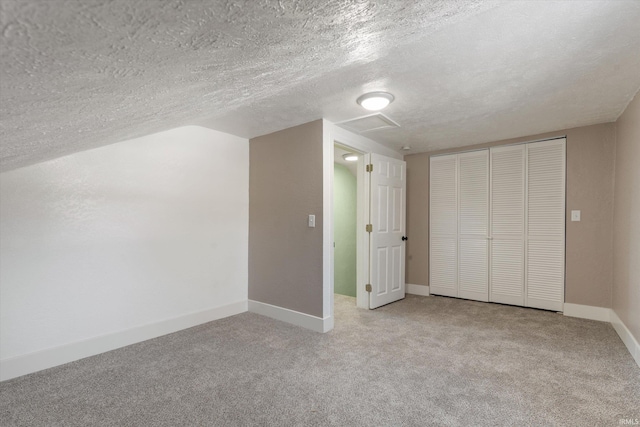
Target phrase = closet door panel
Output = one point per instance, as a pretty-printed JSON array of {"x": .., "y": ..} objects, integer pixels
[
  {"x": 546, "y": 225},
  {"x": 443, "y": 279},
  {"x": 507, "y": 225},
  {"x": 507, "y": 191},
  {"x": 474, "y": 193},
  {"x": 546, "y": 190},
  {"x": 507, "y": 272},
  {"x": 473, "y": 218},
  {"x": 545, "y": 278},
  {"x": 472, "y": 270},
  {"x": 443, "y": 202},
  {"x": 443, "y": 225}
]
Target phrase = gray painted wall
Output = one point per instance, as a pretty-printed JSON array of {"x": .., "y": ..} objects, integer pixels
[
  {"x": 626, "y": 225},
  {"x": 285, "y": 186}
]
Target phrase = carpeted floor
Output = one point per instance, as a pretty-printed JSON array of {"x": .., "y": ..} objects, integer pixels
[{"x": 421, "y": 361}]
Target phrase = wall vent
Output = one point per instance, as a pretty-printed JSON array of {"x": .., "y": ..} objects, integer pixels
[{"x": 368, "y": 123}]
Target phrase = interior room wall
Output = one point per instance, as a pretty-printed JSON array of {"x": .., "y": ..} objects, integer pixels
[
  {"x": 285, "y": 187},
  {"x": 626, "y": 229},
  {"x": 344, "y": 230},
  {"x": 417, "y": 247},
  {"x": 589, "y": 243},
  {"x": 99, "y": 246}
]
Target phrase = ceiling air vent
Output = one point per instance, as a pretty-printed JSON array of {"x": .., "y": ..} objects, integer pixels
[{"x": 368, "y": 123}]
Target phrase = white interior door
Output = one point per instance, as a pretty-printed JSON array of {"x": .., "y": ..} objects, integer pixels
[
  {"x": 387, "y": 247},
  {"x": 473, "y": 225}
]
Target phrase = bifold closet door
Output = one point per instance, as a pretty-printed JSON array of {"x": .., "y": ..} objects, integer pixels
[
  {"x": 507, "y": 233},
  {"x": 459, "y": 200},
  {"x": 545, "y": 225},
  {"x": 473, "y": 225},
  {"x": 497, "y": 227},
  {"x": 443, "y": 225},
  {"x": 527, "y": 225}
]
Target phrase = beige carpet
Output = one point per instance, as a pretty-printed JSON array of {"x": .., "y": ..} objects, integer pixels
[{"x": 421, "y": 361}]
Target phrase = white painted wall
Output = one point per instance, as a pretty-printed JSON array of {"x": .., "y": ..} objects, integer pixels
[{"x": 119, "y": 244}]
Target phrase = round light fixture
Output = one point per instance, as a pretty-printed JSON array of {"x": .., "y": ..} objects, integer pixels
[
  {"x": 375, "y": 101},
  {"x": 350, "y": 157}
]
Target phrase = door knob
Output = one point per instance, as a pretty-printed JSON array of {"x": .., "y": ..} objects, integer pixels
[{"x": 404, "y": 238}]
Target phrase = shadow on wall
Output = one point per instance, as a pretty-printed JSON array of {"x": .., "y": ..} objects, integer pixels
[{"x": 344, "y": 232}]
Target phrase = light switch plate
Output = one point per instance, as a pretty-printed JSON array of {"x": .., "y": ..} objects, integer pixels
[
  {"x": 575, "y": 215},
  {"x": 312, "y": 221}
]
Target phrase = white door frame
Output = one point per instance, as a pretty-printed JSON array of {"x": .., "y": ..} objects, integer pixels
[
  {"x": 335, "y": 135},
  {"x": 362, "y": 238}
]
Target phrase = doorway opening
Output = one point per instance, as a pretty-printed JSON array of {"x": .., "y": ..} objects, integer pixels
[
  {"x": 345, "y": 220},
  {"x": 345, "y": 214},
  {"x": 380, "y": 223}
]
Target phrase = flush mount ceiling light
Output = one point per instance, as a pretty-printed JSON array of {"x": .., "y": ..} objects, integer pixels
[
  {"x": 375, "y": 101},
  {"x": 350, "y": 157}
]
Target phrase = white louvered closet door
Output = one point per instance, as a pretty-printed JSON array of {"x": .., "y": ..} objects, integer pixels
[
  {"x": 545, "y": 225},
  {"x": 443, "y": 226},
  {"x": 506, "y": 268},
  {"x": 473, "y": 224}
]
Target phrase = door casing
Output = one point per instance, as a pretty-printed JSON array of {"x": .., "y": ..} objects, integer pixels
[{"x": 332, "y": 135}]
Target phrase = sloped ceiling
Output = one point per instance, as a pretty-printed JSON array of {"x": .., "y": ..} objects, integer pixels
[{"x": 81, "y": 74}]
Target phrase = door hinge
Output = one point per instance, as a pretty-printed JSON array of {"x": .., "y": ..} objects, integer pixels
[
  {"x": 367, "y": 287},
  {"x": 370, "y": 167},
  {"x": 369, "y": 228}
]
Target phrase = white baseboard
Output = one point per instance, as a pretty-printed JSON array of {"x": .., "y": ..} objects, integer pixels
[
  {"x": 304, "y": 320},
  {"x": 627, "y": 338},
  {"x": 606, "y": 315},
  {"x": 587, "y": 312},
  {"x": 417, "y": 289},
  {"x": 21, "y": 365}
]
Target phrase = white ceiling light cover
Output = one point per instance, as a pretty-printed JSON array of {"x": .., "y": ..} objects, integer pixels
[{"x": 374, "y": 101}]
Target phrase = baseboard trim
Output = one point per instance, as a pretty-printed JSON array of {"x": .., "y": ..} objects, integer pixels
[
  {"x": 627, "y": 338},
  {"x": 26, "y": 364},
  {"x": 606, "y": 315},
  {"x": 417, "y": 289},
  {"x": 317, "y": 324},
  {"x": 587, "y": 312}
]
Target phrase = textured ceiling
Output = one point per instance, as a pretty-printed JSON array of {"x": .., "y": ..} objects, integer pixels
[{"x": 80, "y": 74}]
